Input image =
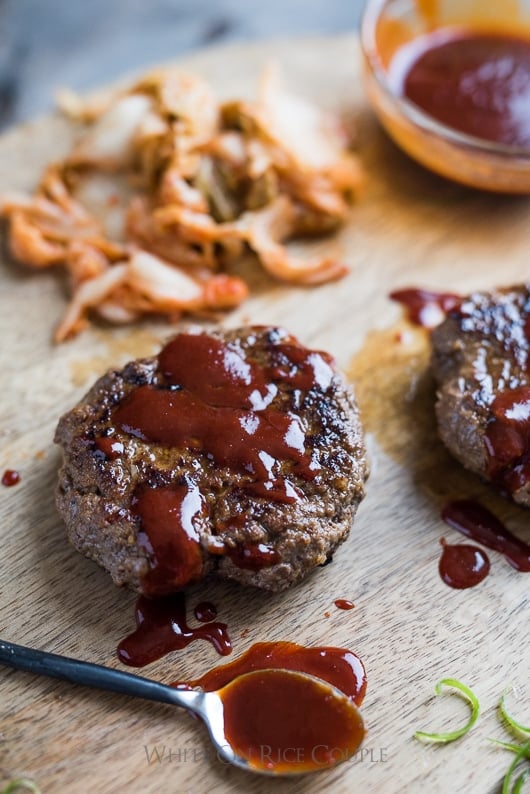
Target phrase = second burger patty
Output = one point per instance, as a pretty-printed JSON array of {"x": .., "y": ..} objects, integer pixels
[
  {"x": 481, "y": 361},
  {"x": 237, "y": 452}
]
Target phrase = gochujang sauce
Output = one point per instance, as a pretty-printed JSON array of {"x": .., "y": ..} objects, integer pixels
[
  {"x": 480, "y": 524},
  {"x": 463, "y": 565},
  {"x": 162, "y": 627},
  {"x": 475, "y": 82},
  {"x": 344, "y": 603},
  {"x": 283, "y": 722},
  {"x": 10, "y": 477},
  {"x": 338, "y": 666}
]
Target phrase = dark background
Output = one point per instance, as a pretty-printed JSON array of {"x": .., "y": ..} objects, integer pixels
[{"x": 45, "y": 44}]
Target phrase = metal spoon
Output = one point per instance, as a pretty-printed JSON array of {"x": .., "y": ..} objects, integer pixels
[{"x": 207, "y": 705}]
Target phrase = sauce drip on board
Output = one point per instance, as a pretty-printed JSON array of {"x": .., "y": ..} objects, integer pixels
[
  {"x": 10, "y": 477},
  {"x": 344, "y": 603},
  {"x": 283, "y": 722},
  {"x": 508, "y": 439},
  {"x": 462, "y": 565},
  {"x": 338, "y": 666},
  {"x": 425, "y": 308},
  {"x": 161, "y": 627},
  {"x": 478, "y": 523},
  {"x": 476, "y": 83}
]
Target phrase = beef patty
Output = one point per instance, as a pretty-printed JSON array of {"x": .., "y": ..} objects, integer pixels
[
  {"x": 237, "y": 452},
  {"x": 480, "y": 358}
]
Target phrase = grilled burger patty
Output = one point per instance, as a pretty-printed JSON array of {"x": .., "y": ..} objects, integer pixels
[{"x": 239, "y": 453}]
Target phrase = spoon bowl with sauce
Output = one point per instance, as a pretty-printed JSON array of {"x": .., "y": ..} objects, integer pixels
[
  {"x": 450, "y": 83},
  {"x": 270, "y": 721}
]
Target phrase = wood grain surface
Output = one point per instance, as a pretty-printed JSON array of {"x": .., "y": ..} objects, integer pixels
[{"x": 407, "y": 227}]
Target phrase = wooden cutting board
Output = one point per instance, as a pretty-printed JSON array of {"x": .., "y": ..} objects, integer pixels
[{"x": 407, "y": 227}]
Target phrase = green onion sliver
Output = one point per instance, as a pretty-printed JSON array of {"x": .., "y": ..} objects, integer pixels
[
  {"x": 516, "y": 726},
  {"x": 519, "y": 783},
  {"x": 466, "y": 692},
  {"x": 21, "y": 784},
  {"x": 524, "y": 752},
  {"x": 514, "y": 748}
]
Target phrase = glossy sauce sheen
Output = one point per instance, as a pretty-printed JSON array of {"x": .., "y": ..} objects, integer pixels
[
  {"x": 161, "y": 627},
  {"x": 462, "y": 565},
  {"x": 338, "y": 666},
  {"x": 213, "y": 400},
  {"x": 476, "y": 83},
  {"x": 508, "y": 439},
  {"x": 168, "y": 516},
  {"x": 478, "y": 523},
  {"x": 110, "y": 448},
  {"x": 253, "y": 557},
  {"x": 10, "y": 477},
  {"x": 222, "y": 407},
  {"x": 286, "y": 723},
  {"x": 223, "y": 394},
  {"x": 205, "y": 612},
  {"x": 426, "y": 308}
]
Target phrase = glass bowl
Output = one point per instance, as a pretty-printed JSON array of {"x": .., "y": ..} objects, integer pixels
[{"x": 387, "y": 26}]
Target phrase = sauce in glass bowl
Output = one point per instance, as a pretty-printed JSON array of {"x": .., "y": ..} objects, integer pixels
[
  {"x": 477, "y": 83},
  {"x": 450, "y": 83}
]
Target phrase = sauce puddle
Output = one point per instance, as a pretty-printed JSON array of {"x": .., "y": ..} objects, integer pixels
[
  {"x": 344, "y": 603},
  {"x": 340, "y": 667},
  {"x": 480, "y": 524},
  {"x": 10, "y": 477},
  {"x": 161, "y": 627},
  {"x": 462, "y": 565},
  {"x": 283, "y": 723}
]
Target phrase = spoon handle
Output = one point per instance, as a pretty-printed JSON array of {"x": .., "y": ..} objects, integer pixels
[{"x": 94, "y": 675}]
